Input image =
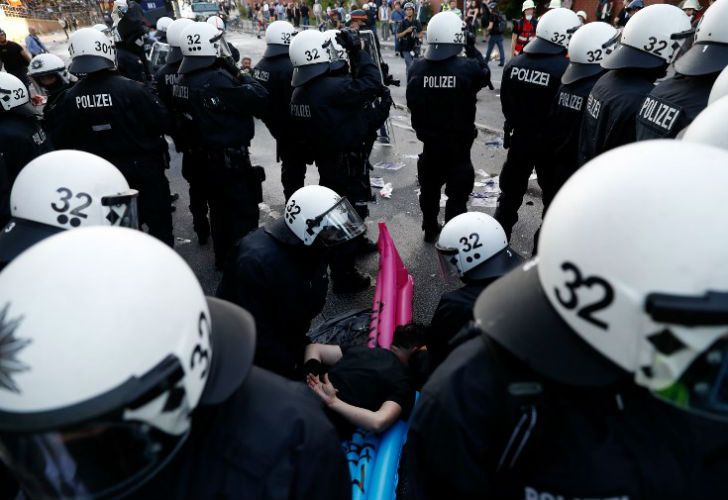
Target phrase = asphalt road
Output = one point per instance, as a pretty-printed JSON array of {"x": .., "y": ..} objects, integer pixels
[{"x": 400, "y": 212}]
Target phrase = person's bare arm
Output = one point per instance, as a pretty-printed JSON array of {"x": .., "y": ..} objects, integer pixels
[
  {"x": 513, "y": 44},
  {"x": 374, "y": 421},
  {"x": 26, "y": 55},
  {"x": 323, "y": 353}
]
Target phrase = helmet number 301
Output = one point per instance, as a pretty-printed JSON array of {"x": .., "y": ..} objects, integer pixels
[
  {"x": 63, "y": 205},
  {"x": 106, "y": 48},
  {"x": 570, "y": 298}
]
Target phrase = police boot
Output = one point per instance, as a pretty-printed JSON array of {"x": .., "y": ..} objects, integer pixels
[
  {"x": 350, "y": 282},
  {"x": 432, "y": 231}
]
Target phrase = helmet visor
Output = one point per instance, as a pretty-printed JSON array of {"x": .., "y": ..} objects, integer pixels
[
  {"x": 447, "y": 259},
  {"x": 95, "y": 459},
  {"x": 123, "y": 209},
  {"x": 338, "y": 224}
]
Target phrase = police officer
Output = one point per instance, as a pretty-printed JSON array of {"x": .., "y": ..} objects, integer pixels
[
  {"x": 529, "y": 86},
  {"x": 21, "y": 136},
  {"x": 217, "y": 22},
  {"x": 675, "y": 102},
  {"x": 278, "y": 273},
  {"x": 326, "y": 99},
  {"x": 218, "y": 104},
  {"x": 274, "y": 72},
  {"x": 474, "y": 247},
  {"x": 586, "y": 51},
  {"x": 160, "y": 35},
  {"x": 647, "y": 46},
  {"x": 597, "y": 369},
  {"x": 710, "y": 125},
  {"x": 131, "y": 61},
  {"x": 441, "y": 94},
  {"x": 169, "y": 404},
  {"x": 49, "y": 73},
  {"x": 119, "y": 120},
  {"x": 65, "y": 190}
]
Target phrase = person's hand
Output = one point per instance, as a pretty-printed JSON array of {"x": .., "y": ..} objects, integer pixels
[
  {"x": 469, "y": 39},
  {"x": 349, "y": 39},
  {"x": 325, "y": 390}
]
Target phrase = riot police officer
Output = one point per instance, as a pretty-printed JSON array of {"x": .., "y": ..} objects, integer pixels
[
  {"x": 529, "y": 85},
  {"x": 675, "y": 102},
  {"x": 474, "y": 247},
  {"x": 80, "y": 189},
  {"x": 217, "y": 104},
  {"x": 21, "y": 136},
  {"x": 119, "y": 120},
  {"x": 131, "y": 61},
  {"x": 646, "y": 47},
  {"x": 274, "y": 72},
  {"x": 49, "y": 73},
  {"x": 326, "y": 99},
  {"x": 597, "y": 367},
  {"x": 441, "y": 93},
  {"x": 278, "y": 273},
  {"x": 586, "y": 51},
  {"x": 168, "y": 405}
]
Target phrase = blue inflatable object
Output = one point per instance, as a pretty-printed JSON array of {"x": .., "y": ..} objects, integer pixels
[
  {"x": 384, "y": 476},
  {"x": 361, "y": 453}
]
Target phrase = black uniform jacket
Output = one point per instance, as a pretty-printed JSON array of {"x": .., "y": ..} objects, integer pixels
[
  {"x": 569, "y": 443},
  {"x": 610, "y": 118},
  {"x": 441, "y": 96},
  {"x": 218, "y": 107},
  {"x": 110, "y": 116},
  {"x": 270, "y": 440},
  {"x": 528, "y": 87},
  {"x": 673, "y": 105},
  {"x": 283, "y": 284},
  {"x": 330, "y": 111},
  {"x": 275, "y": 73}
]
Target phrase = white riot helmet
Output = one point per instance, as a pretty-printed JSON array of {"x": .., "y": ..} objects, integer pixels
[
  {"x": 99, "y": 379},
  {"x": 555, "y": 4},
  {"x": 553, "y": 32},
  {"x": 588, "y": 47},
  {"x": 710, "y": 126},
  {"x": 309, "y": 53},
  {"x": 720, "y": 87},
  {"x": 709, "y": 53},
  {"x": 217, "y": 22},
  {"x": 445, "y": 36},
  {"x": 13, "y": 92},
  {"x": 120, "y": 7},
  {"x": 339, "y": 55},
  {"x": 651, "y": 38},
  {"x": 318, "y": 214},
  {"x": 200, "y": 45},
  {"x": 102, "y": 28},
  {"x": 48, "y": 64},
  {"x": 691, "y": 4},
  {"x": 528, "y": 4},
  {"x": 174, "y": 39},
  {"x": 163, "y": 23},
  {"x": 278, "y": 38},
  {"x": 475, "y": 246},
  {"x": 90, "y": 51},
  {"x": 64, "y": 190}
]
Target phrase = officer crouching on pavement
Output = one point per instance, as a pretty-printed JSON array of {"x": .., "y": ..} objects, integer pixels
[
  {"x": 328, "y": 99},
  {"x": 600, "y": 368},
  {"x": 119, "y": 120},
  {"x": 168, "y": 405},
  {"x": 107, "y": 199},
  {"x": 278, "y": 273},
  {"x": 21, "y": 136},
  {"x": 441, "y": 95},
  {"x": 529, "y": 86},
  {"x": 218, "y": 104},
  {"x": 586, "y": 51},
  {"x": 474, "y": 247},
  {"x": 646, "y": 48},
  {"x": 274, "y": 72},
  {"x": 675, "y": 102}
]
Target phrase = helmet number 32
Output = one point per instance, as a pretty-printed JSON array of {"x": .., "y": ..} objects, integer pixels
[
  {"x": 201, "y": 353},
  {"x": 655, "y": 46},
  {"x": 63, "y": 205},
  {"x": 312, "y": 55},
  {"x": 569, "y": 298}
]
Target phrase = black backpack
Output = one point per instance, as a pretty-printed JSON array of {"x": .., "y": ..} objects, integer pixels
[{"x": 499, "y": 23}]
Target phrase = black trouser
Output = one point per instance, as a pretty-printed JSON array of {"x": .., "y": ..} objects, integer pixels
[
  {"x": 524, "y": 154},
  {"x": 193, "y": 170},
  {"x": 147, "y": 176},
  {"x": 348, "y": 175},
  {"x": 233, "y": 189},
  {"x": 444, "y": 164},
  {"x": 293, "y": 166}
]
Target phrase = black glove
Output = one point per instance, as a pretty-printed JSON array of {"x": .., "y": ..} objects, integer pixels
[
  {"x": 349, "y": 39},
  {"x": 386, "y": 96},
  {"x": 469, "y": 39},
  {"x": 313, "y": 367}
]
